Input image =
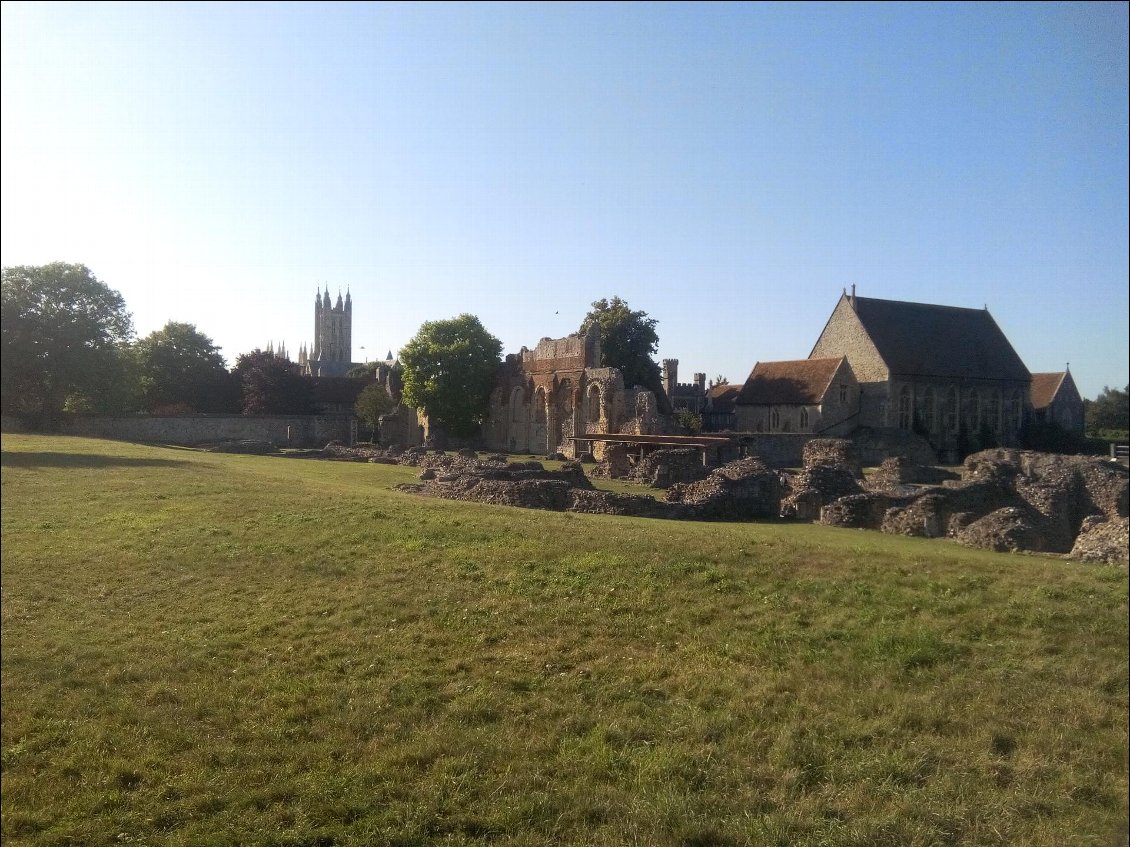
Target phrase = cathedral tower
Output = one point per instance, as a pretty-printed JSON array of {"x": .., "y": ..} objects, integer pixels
[{"x": 332, "y": 353}]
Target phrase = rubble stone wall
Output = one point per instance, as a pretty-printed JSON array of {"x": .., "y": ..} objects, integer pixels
[{"x": 188, "y": 430}]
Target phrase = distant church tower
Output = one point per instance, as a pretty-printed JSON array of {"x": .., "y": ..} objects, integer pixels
[{"x": 332, "y": 354}]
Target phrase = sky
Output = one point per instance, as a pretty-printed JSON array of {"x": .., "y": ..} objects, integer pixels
[{"x": 727, "y": 169}]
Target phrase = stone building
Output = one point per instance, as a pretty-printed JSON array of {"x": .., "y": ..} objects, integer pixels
[
  {"x": 1056, "y": 399},
  {"x": 948, "y": 373},
  {"x": 719, "y": 412},
  {"x": 683, "y": 395},
  {"x": 812, "y": 396},
  {"x": 332, "y": 354},
  {"x": 545, "y": 397}
]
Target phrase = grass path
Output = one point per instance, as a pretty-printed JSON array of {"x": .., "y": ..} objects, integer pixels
[{"x": 205, "y": 649}]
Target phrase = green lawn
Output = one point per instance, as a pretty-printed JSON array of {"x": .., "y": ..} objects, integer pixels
[{"x": 208, "y": 649}]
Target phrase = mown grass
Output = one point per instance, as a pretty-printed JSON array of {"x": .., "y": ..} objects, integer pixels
[{"x": 206, "y": 649}]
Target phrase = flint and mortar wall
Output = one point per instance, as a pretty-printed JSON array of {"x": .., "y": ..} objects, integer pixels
[{"x": 281, "y": 430}]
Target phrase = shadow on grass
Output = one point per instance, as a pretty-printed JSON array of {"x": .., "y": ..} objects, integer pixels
[{"x": 79, "y": 460}]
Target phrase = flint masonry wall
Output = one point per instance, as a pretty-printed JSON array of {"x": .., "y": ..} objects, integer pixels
[{"x": 282, "y": 430}]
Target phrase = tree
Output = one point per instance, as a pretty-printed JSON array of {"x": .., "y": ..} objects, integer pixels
[
  {"x": 721, "y": 380},
  {"x": 449, "y": 369},
  {"x": 373, "y": 402},
  {"x": 64, "y": 335},
  {"x": 689, "y": 421},
  {"x": 1110, "y": 411},
  {"x": 272, "y": 385},
  {"x": 180, "y": 366},
  {"x": 628, "y": 341}
]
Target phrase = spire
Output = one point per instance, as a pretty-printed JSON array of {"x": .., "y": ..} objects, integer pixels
[
  {"x": 338, "y": 305},
  {"x": 348, "y": 300},
  {"x": 326, "y": 298},
  {"x": 388, "y": 358}
]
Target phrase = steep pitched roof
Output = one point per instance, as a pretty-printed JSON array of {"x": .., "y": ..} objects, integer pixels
[
  {"x": 722, "y": 397},
  {"x": 920, "y": 339},
  {"x": 1045, "y": 387},
  {"x": 799, "y": 382}
]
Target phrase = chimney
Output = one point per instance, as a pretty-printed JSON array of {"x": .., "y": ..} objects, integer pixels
[{"x": 853, "y": 295}]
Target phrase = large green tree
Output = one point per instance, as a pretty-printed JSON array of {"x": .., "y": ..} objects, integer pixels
[
  {"x": 628, "y": 341},
  {"x": 449, "y": 369},
  {"x": 373, "y": 401},
  {"x": 179, "y": 366},
  {"x": 272, "y": 385},
  {"x": 1110, "y": 411},
  {"x": 63, "y": 337}
]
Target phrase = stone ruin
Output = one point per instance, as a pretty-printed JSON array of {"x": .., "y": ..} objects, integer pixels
[
  {"x": 744, "y": 489},
  {"x": 1004, "y": 500},
  {"x": 830, "y": 472},
  {"x": 663, "y": 468},
  {"x": 1007, "y": 500}
]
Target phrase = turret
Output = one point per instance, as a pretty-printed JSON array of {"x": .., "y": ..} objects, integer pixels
[
  {"x": 348, "y": 301},
  {"x": 670, "y": 376}
]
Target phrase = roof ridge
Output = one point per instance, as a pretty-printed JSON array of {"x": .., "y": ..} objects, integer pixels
[{"x": 927, "y": 305}]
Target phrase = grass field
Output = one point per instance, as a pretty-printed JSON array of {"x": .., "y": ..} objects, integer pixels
[{"x": 205, "y": 649}]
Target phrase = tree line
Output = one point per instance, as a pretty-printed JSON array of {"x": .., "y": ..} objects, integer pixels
[{"x": 68, "y": 345}]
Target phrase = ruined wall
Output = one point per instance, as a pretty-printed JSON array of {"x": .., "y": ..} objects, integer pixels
[
  {"x": 545, "y": 397},
  {"x": 404, "y": 426},
  {"x": 281, "y": 430}
]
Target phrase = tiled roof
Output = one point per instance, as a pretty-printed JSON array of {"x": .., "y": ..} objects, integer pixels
[
  {"x": 722, "y": 398},
  {"x": 799, "y": 382},
  {"x": 920, "y": 339},
  {"x": 1045, "y": 387}
]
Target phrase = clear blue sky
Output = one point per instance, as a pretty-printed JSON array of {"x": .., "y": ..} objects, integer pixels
[{"x": 726, "y": 168}]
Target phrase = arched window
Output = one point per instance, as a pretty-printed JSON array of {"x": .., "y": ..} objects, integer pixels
[
  {"x": 1015, "y": 404},
  {"x": 929, "y": 409},
  {"x": 992, "y": 415},
  {"x": 949, "y": 411},
  {"x": 775, "y": 420},
  {"x": 803, "y": 419},
  {"x": 539, "y": 406},
  {"x": 905, "y": 419},
  {"x": 517, "y": 405},
  {"x": 593, "y": 402},
  {"x": 972, "y": 410}
]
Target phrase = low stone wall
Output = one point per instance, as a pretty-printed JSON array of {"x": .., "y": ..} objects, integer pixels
[{"x": 280, "y": 430}]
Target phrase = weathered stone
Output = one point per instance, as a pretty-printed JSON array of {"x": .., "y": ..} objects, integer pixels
[
  {"x": 662, "y": 468},
  {"x": 814, "y": 488},
  {"x": 1007, "y": 530},
  {"x": 834, "y": 452},
  {"x": 615, "y": 465},
  {"x": 1103, "y": 539},
  {"x": 858, "y": 511},
  {"x": 741, "y": 489}
]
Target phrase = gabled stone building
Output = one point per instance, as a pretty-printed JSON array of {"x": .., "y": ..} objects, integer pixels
[
  {"x": 719, "y": 412},
  {"x": 545, "y": 397},
  {"x": 1056, "y": 400},
  {"x": 948, "y": 373},
  {"x": 814, "y": 396}
]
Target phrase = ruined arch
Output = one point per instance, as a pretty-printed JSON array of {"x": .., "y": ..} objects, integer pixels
[{"x": 592, "y": 403}]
